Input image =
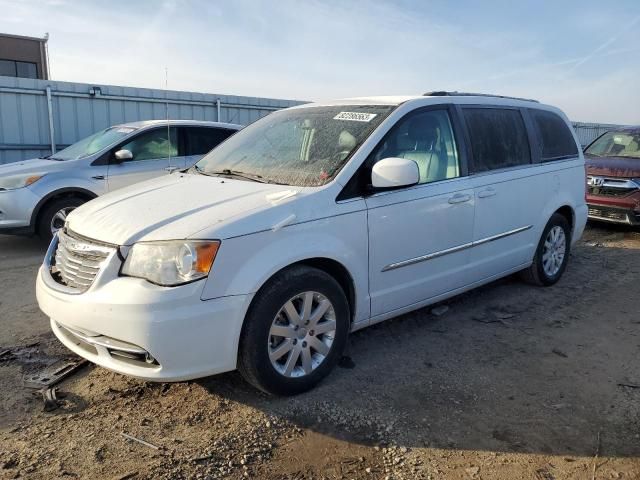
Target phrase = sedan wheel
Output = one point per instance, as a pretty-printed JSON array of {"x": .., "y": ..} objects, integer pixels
[
  {"x": 59, "y": 218},
  {"x": 54, "y": 214}
]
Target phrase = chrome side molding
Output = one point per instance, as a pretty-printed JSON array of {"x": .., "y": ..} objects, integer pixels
[{"x": 464, "y": 246}]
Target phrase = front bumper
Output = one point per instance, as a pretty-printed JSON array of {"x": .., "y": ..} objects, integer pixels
[
  {"x": 16, "y": 208},
  {"x": 615, "y": 209},
  {"x": 135, "y": 328},
  {"x": 604, "y": 213}
]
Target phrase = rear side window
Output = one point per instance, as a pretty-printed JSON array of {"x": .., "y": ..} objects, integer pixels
[
  {"x": 553, "y": 136},
  {"x": 200, "y": 140},
  {"x": 498, "y": 138}
]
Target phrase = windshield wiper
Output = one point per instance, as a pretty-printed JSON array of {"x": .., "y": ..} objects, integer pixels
[
  {"x": 236, "y": 173},
  {"x": 197, "y": 169}
]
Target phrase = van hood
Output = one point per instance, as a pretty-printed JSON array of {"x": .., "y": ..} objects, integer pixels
[
  {"x": 622, "y": 167},
  {"x": 35, "y": 165},
  {"x": 174, "y": 207}
]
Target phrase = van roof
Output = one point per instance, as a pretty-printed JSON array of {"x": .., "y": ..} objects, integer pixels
[
  {"x": 437, "y": 97},
  {"x": 193, "y": 123}
]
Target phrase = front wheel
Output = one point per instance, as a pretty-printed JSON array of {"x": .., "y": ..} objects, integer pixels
[
  {"x": 552, "y": 254},
  {"x": 295, "y": 331},
  {"x": 54, "y": 216}
]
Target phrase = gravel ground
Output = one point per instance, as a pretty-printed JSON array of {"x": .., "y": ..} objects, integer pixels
[{"x": 511, "y": 381}]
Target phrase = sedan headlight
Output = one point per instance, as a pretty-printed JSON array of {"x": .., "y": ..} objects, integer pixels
[
  {"x": 19, "y": 181},
  {"x": 171, "y": 263}
]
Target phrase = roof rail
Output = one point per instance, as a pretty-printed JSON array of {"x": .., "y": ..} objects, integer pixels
[{"x": 442, "y": 93}]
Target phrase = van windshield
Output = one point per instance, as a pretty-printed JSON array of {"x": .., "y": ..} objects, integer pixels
[
  {"x": 302, "y": 146},
  {"x": 92, "y": 144},
  {"x": 616, "y": 144}
]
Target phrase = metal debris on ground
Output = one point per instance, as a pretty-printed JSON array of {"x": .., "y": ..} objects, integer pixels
[
  {"x": 484, "y": 318},
  {"x": 202, "y": 458},
  {"x": 24, "y": 351},
  {"x": 127, "y": 476},
  {"x": 54, "y": 373},
  {"x": 560, "y": 353},
  {"x": 143, "y": 442},
  {"x": 440, "y": 310},
  {"x": 629, "y": 385},
  {"x": 49, "y": 395}
]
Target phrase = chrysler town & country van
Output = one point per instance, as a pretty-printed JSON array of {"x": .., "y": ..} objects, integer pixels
[{"x": 311, "y": 223}]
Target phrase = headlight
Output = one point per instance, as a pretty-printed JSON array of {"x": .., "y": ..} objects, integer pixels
[
  {"x": 19, "y": 181},
  {"x": 171, "y": 263}
]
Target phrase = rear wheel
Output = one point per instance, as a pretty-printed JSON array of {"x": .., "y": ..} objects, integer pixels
[
  {"x": 552, "y": 254},
  {"x": 295, "y": 332},
  {"x": 54, "y": 215}
]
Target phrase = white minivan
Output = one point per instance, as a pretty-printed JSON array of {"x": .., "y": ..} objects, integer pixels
[{"x": 311, "y": 223}]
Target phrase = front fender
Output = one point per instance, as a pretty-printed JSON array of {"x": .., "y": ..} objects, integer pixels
[
  {"x": 89, "y": 193},
  {"x": 244, "y": 264}
]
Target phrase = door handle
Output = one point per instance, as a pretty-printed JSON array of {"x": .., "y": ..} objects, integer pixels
[
  {"x": 459, "y": 198},
  {"x": 489, "y": 192},
  {"x": 98, "y": 177},
  {"x": 172, "y": 169}
]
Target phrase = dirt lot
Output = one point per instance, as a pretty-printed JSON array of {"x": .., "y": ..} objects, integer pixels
[{"x": 511, "y": 382}]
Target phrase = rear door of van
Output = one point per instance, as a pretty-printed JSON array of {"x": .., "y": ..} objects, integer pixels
[{"x": 509, "y": 190}]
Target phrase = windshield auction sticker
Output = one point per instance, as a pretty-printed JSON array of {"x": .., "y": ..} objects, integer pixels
[{"x": 355, "y": 116}]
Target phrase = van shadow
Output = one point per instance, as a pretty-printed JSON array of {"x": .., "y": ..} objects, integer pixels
[{"x": 509, "y": 367}]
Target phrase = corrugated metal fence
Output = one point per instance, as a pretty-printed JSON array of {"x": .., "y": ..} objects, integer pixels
[
  {"x": 36, "y": 115},
  {"x": 588, "y": 132}
]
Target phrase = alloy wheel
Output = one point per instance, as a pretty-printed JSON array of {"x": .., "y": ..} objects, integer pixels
[
  {"x": 60, "y": 217},
  {"x": 301, "y": 334},
  {"x": 555, "y": 246}
]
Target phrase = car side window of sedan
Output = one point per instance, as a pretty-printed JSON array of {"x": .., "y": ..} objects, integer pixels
[{"x": 153, "y": 144}]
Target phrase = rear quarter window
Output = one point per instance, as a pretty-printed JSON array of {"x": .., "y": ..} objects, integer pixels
[
  {"x": 201, "y": 140},
  {"x": 554, "y": 138},
  {"x": 498, "y": 138}
]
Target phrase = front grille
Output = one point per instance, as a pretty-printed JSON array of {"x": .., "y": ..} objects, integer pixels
[
  {"x": 608, "y": 214},
  {"x": 611, "y": 191},
  {"x": 77, "y": 261}
]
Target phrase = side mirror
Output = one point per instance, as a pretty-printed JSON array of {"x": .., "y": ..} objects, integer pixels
[
  {"x": 395, "y": 172},
  {"x": 121, "y": 156}
]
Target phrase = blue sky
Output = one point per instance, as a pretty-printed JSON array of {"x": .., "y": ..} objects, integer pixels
[{"x": 583, "y": 56}]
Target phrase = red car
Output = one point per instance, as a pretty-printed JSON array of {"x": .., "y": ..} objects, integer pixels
[{"x": 613, "y": 176}]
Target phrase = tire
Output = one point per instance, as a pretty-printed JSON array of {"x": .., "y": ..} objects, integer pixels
[
  {"x": 260, "y": 358},
  {"x": 61, "y": 205},
  {"x": 543, "y": 271}
]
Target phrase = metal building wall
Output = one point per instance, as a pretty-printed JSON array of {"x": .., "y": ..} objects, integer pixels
[{"x": 75, "y": 113}]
